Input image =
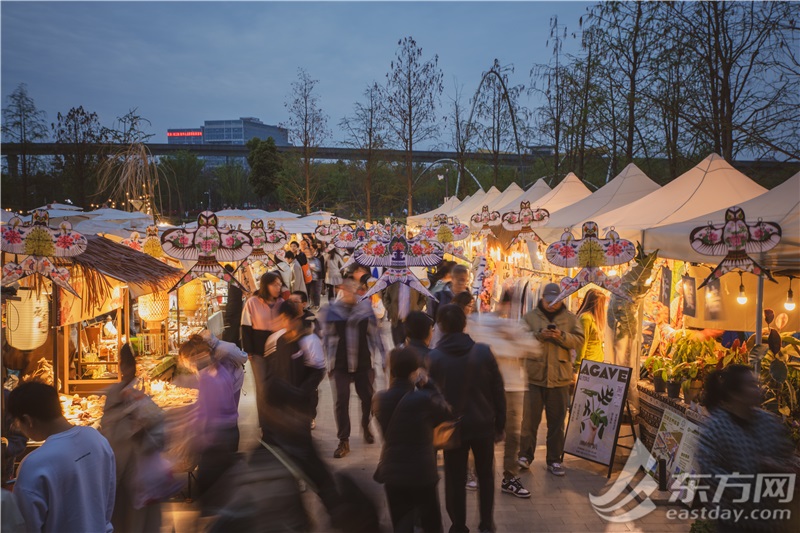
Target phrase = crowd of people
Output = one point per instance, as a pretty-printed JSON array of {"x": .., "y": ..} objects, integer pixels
[{"x": 457, "y": 381}]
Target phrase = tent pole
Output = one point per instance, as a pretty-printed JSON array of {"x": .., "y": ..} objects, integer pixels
[{"x": 759, "y": 320}]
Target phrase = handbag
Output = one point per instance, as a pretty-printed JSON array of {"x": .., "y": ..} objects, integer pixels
[{"x": 447, "y": 435}]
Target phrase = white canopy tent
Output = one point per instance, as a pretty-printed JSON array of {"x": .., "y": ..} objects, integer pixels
[
  {"x": 780, "y": 205},
  {"x": 448, "y": 206},
  {"x": 570, "y": 190},
  {"x": 628, "y": 186},
  {"x": 533, "y": 194},
  {"x": 466, "y": 208},
  {"x": 317, "y": 219},
  {"x": 511, "y": 192},
  {"x": 710, "y": 185}
]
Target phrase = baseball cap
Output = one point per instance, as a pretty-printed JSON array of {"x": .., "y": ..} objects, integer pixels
[{"x": 551, "y": 292}]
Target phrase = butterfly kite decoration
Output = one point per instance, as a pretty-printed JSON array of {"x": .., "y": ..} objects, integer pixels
[
  {"x": 134, "y": 241},
  {"x": 397, "y": 254},
  {"x": 40, "y": 243},
  {"x": 522, "y": 222},
  {"x": 265, "y": 241},
  {"x": 590, "y": 252},
  {"x": 735, "y": 239},
  {"x": 447, "y": 232},
  {"x": 330, "y": 231},
  {"x": 482, "y": 222},
  {"x": 208, "y": 245}
]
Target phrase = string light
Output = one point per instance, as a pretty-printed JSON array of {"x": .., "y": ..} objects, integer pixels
[
  {"x": 789, "y": 304},
  {"x": 742, "y": 298}
]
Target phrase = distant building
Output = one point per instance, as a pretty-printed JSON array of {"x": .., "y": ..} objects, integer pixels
[{"x": 237, "y": 131}]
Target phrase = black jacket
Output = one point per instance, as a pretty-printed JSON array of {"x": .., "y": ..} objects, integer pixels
[
  {"x": 468, "y": 376},
  {"x": 233, "y": 314},
  {"x": 408, "y": 458}
]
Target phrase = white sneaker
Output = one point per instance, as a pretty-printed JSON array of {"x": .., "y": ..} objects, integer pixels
[
  {"x": 556, "y": 469},
  {"x": 523, "y": 462},
  {"x": 472, "y": 483}
]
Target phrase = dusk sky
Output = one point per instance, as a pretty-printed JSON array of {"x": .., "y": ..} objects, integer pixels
[{"x": 181, "y": 63}]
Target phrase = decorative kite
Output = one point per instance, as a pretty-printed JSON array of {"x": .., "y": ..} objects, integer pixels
[
  {"x": 447, "y": 233},
  {"x": 397, "y": 254},
  {"x": 523, "y": 221},
  {"x": 265, "y": 241},
  {"x": 590, "y": 253},
  {"x": 735, "y": 239},
  {"x": 328, "y": 232},
  {"x": 208, "y": 245},
  {"x": 40, "y": 243},
  {"x": 482, "y": 222},
  {"x": 134, "y": 241}
]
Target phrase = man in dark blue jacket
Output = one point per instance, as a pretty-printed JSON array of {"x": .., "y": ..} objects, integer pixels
[{"x": 470, "y": 380}]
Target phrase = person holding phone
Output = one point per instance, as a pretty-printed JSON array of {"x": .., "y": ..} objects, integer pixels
[{"x": 549, "y": 376}]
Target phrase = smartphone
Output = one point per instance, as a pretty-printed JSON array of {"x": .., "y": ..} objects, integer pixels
[{"x": 551, "y": 326}]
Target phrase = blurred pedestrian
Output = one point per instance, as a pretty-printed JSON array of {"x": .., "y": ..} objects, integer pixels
[
  {"x": 298, "y": 281},
  {"x": 468, "y": 375},
  {"x": 399, "y": 300},
  {"x": 134, "y": 427},
  {"x": 69, "y": 482},
  {"x": 352, "y": 341},
  {"x": 233, "y": 312},
  {"x": 740, "y": 444},
  {"x": 466, "y": 302},
  {"x": 317, "y": 276},
  {"x": 333, "y": 271},
  {"x": 459, "y": 283},
  {"x": 419, "y": 329},
  {"x": 259, "y": 321},
  {"x": 407, "y": 412},
  {"x": 220, "y": 365}
]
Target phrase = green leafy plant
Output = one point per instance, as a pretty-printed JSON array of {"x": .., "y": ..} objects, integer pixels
[{"x": 593, "y": 411}]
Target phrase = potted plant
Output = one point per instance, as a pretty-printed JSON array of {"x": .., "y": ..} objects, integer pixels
[
  {"x": 654, "y": 365},
  {"x": 594, "y": 414}
]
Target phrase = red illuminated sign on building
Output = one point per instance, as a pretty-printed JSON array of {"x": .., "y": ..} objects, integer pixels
[{"x": 184, "y": 134}]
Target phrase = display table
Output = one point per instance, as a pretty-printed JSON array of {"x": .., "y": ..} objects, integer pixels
[{"x": 651, "y": 409}]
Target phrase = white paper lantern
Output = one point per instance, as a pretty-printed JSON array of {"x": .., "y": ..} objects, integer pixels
[
  {"x": 28, "y": 319},
  {"x": 154, "y": 307}
]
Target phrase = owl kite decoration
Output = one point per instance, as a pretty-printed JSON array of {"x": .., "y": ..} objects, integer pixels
[
  {"x": 736, "y": 239},
  {"x": 523, "y": 221},
  {"x": 447, "y": 232},
  {"x": 397, "y": 254},
  {"x": 482, "y": 222},
  {"x": 328, "y": 232},
  {"x": 590, "y": 252},
  {"x": 265, "y": 241},
  {"x": 208, "y": 245},
  {"x": 40, "y": 243}
]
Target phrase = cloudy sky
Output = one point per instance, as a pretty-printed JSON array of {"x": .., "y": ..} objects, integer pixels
[{"x": 181, "y": 63}]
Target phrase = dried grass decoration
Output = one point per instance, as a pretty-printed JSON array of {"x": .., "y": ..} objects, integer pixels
[
  {"x": 42, "y": 245},
  {"x": 590, "y": 253},
  {"x": 208, "y": 245}
]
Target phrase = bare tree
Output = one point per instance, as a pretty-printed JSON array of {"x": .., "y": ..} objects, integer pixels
[
  {"x": 23, "y": 123},
  {"x": 308, "y": 127},
  {"x": 412, "y": 92},
  {"x": 366, "y": 131},
  {"x": 78, "y": 160},
  {"x": 460, "y": 134}
]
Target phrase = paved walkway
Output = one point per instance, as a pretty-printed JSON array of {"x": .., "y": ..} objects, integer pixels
[{"x": 556, "y": 504}]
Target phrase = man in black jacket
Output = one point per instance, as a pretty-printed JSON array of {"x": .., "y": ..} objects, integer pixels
[
  {"x": 233, "y": 312},
  {"x": 407, "y": 412},
  {"x": 419, "y": 330},
  {"x": 468, "y": 375}
]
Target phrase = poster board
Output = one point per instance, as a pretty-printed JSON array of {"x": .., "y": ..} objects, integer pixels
[
  {"x": 676, "y": 441},
  {"x": 596, "y": 412}
]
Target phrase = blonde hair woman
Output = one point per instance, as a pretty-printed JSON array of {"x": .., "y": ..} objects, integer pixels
[{"x": 592, "y": 315}]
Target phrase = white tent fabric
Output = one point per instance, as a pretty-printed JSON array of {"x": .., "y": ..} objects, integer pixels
[
  {"x": 533, "y": 194},
  {"x": 322, "y": 219},
  {"x": 710, "y": 185},
  {"x": 468, "y": 205},
  {"x": 64, "y": 207},
  {"x": 280, "y": 215},
  {"x": 780, "y": 205},
  {"x": 628, "y": 186},
  {"x": 570, "y": 190},
  {"x": 465, "y": 211},
  {"x": 449, "y": 205},
  {"x": 511, "y": 192}
]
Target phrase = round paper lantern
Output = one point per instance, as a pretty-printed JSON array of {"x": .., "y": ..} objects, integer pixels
[
  {"x": 154, "y": 307},
  {"x": 191, "y": 296},
  {"x": 28, "y": 319}
]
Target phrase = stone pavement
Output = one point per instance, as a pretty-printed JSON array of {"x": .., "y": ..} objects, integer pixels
[{"x": 556, "y": 504}]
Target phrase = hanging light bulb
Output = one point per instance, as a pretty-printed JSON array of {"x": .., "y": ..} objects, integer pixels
[
  {"x": 742, "y": 298},
  {"x": 789, "y": 304}
]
